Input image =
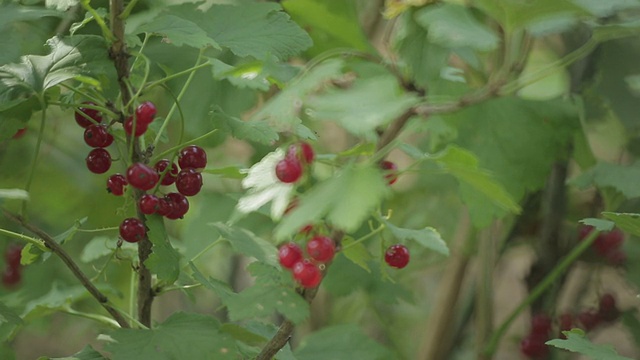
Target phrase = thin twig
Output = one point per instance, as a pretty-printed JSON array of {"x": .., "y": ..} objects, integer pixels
[{"x": 55, "y": 248}]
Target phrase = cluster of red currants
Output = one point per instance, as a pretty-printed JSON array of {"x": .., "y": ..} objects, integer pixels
[
  {"x": 299, "y": 156},
  {"x": 608, "y": 245},
  {"x": 306, "y": 271},
  {"x": 13, "y": 270},
  {"x": 533, "y": 345}
]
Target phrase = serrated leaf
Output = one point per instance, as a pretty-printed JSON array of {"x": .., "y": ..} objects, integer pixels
[
  {"x": 340, "y": 342},
  {"x": 268, "y": 294},
  {"x": 247, "y": 243},
  {"x": 599, "y": 224},
  {"x": 87, "y": 353},
  {"x": 577, "y": 342},
  {"x": 427, "y": 237},
  {"x": 8, "y": 315},
  {"x": 221, "y": 289},
  {"x": 11, "y": 13},
  {"x": 454, "y": 26},
  {"x": 628, "y": 222},
  {"x": 346, "y": 199},
  {"x": 177, "y": 31},
  {"x": 368, "y": 104},
  {"x": 356, "y": 252},
  {"x": 181, "y": 336},
  {"x": 57, "y": 298},
  {"x": 14, "y": 194},
  {"x": 164, "y": 260},
  {"x": 256, "y": 131},
  {"x": 622, "y": 178}
]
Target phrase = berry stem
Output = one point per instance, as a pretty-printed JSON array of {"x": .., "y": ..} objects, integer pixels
[
  {"x": 95, "y": 317},
  {"x": 537, "y": 291},
  {"x": 376, "y": 231},
  {"x": 31, "y": 240},
  {"x": 34, "y": 162},
  {"x": 173, "y": 149},
  {"x": 98, "y": 19}
]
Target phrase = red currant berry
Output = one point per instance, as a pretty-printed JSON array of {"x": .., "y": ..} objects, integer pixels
[
  {"x": 321, "y": 248},
  {"x": 116, "y": 184},
  {"x": 180, "y": 205},
  {"x": 541, "y": 324},
  {"x": 132, "y": 230},
  {"x": 607, "y": 309},
  {"x": 397, "y": 256},
  {"x": 98, "y": 161},
  {"x": 289, "y": 254},
  {"x": 97, "y": 136},
  {"x": 307, "y": 274},
  {"x": 391, "y": 171},
  {"x": 12, "y": 255},
  {"x": 589, "y": 319},
  {"x": 142, "y": 177},
  {"x": 82, "y": 120},
  {"x": 288, "y": 170},
  {"x": 145, "y": 112},
  {"x": 189, "y": 182},
  {"x": 170, "y": 176},
  {"x": 533, "y": 346},
  {"x": 192, "y": 157},
  {"x": 608, "y": 242},
  {"x": 11, "y": 276},
  {"x": 165, "y": 206},
  {"x": 141, "y": 128},
  {"x": 616, "y": 257},
  {"x": 307, "y": 152},
  {"x": 148, "y": 204},
  {"x": 584, "y": 231},
  {"x": 20, "y": 133}
]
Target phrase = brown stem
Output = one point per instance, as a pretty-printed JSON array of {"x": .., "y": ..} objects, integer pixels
[{"x": 55, "y": 248}]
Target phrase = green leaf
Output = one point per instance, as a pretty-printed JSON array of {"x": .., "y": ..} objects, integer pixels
[
  {"x": 230, "y": 172},
  {"x": 271, "y": 292},
  {"x": 101, "y": 246},
  {"x": 69, "y": 233},
  {"x": 606, "y": 8},
  {"x": 356, "y": 252},
  {"x": 14, "y": 194},
  {"x": 454, "y": 26},
  {"x": 87, "y": 353},
  {"x": 57, "y": 298},
  {"x": 181, "y": 336},
  {"x": 347, "y": 199},
  {"x": 368, "y": 104},
  {"x": 629, "y": 223},
  {"x": 247, "y": 243},
  {"x": 577, "y": 342},
  {"x": 10, "y": 13},
  {"x": 177, "y": 31},
  {"x": 8, "y": 315},
  {"x": 340, "y": 342},
  {"x": 88, "y": 17},
  {"x": 164, "y": 260},
  {"x": 250, "y": 75},
  {"x": 599, "y": 224},
  {"x": 515, "y": 15},
  {"x": 220, "y": 288},
  {"x": 256, "y": 131},
  {"x": 427, "y": 237},
  {"x": 622, "y": 178}
]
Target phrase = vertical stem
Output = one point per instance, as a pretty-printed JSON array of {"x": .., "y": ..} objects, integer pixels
[{"x": 34, "y": 162}]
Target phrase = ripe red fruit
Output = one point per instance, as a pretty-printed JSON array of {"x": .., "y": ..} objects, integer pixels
[
  {"x": 20, "y": 133},
  {"x": 165, "y": 206},
  {"x": 141, "y": 127},
  {"x": 189, "y": 182},
  {"x": 397, "y": 256},
  {"x": 180, "y": 205},
  {"x": 145, "y": 112},
  {"x": 541, "y": 324},
  {"x": 98, "y": 161},
  {"x": 321, "y": 248},
  {"x": 534, "y": 346},
  {"x": 148, "y": 204},
  {"x": 301, "y": 151},
  {"x": 12, "y": 255},
  {"x": 608, "y": 242},
  {"x": 289, "y": 254},
  {"x": 607, "y": 309},
  {"x": 289, "y": 170},
  {"x": 307, "y": 274},
  {"x": 192, "y": 157},
  {"x": 132, "y": 230},
  {"x": 116, "y": 184},
  {"x": 11, "y": 276},
  {"x": 170, "y": 176},
  {"x": 390, "y": 170},
  {"x": 142, "y": 177},
  {"x": 589, "y": 319},
  {"x": 91, "y": 113},
  {"x": 97, "y": 136}
]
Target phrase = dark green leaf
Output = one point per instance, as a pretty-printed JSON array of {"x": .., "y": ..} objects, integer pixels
[
  {"x": 629, "y": 223},
  {"x": 253, "y": 130},
  {"x": 88, "y": 353},
  {"x": 220, "y": 288},
  {"x": 11, "y": 13},
  {"x": 164, "y": 260},
  {"x": 356, "y": 252},
  {"x": 177, "y": 31},
  {"x": 247, "y": 243},
  {"x": 340, "y": 342},
  {"x": 8, "y": 315},
  {"x": 577, "y": 342}
]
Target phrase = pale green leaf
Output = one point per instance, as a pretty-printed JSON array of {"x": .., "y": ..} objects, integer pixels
[
  {"x": 177, "y": 31},
  {"x": 70, "y": 233},
  {"x": 356, "y": 252},
  {"x": 577, "y": 342},
  {"x": 8, "y": 315},
  {"x": 629, "y": 223},
  {"x": 427, "y": 237},
  {"x": 599, "y": 224},
  {"x": 181, "y": 336},
  {"x": 622, "y": 178},
  {"x": 164, "y": 260},
  {"x": 252, "y": 130},
  {"x": 87, "y": 353},
  {"x": 88, "y": 17},
  {"x": 248, "y": 244},
  {"x": 606, "y": 8},
  {"x": 250, "y": 75},
  {"x": 220, "y": 288},
  {"x": 515, "y": 15},
  {"x": 102, "y": 246},
  {"x": 340, "y": 342},
  {"x": 57, "y": 298}
]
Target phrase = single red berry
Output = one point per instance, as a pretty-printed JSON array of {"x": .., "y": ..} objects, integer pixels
[
  {"x": 607, "y": 309},
  {"x": 132, "y": 230},
  {"x": 98, "y": 161},
  {"x": 165, "y": 206},
  {"x": 148, "y": 204},
  {"x": 289, "y": 254},
  {"x": 584, "y": 231},
  {"x": 11, "y": 276},
  {"x": 20, "y": 133},
  {"x": 533, "y": 346},
  {"x": 390, "y": 170},
  {"x": 189, "y": 182},
  {"x": 616, "y": 257},
  {"x": 97, "y": 136},
  {"x": 608, "y": 242},
  {"x": 307, "y": 152},
  {"x": 142, "y": 177},
  {"x": 397, "y": 256},
  {"x": 193, "y": 157},
  {"x": 170, "y": 176},
  {"x": 565, "y": 323},
  {"x": 116, "y": 184},
  {"x": 589, "y": 319},
  {"x": 13, "y": 254},
  {"x": 307, "y": 274},
  {"x": 145, "y": 112},
  {"x": 82, "y": 120},
  {"x": 541, "y": 324},
  {"x": 288, "y": 170},
  {"x": 141, "y": 127},
  {"x": 321, "y": 248},
  {"x": 180, "y": 205}
]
